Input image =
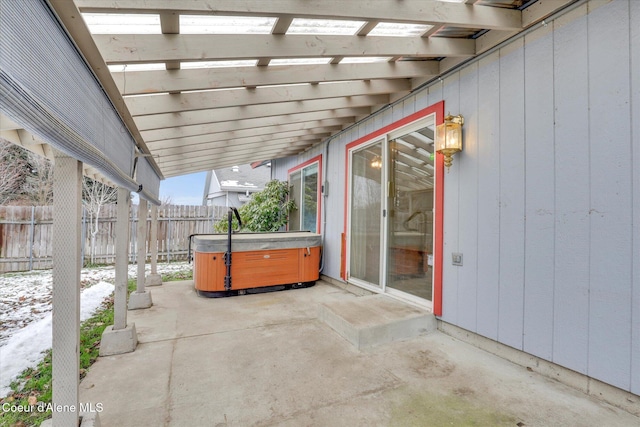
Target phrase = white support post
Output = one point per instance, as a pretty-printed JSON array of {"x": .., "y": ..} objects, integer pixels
[
  {"x": 67, "y": 217},
  {"x": 154, "y": 279},
  {"x": 141, "y": 298},
  {"x": 120, "y": 337}
]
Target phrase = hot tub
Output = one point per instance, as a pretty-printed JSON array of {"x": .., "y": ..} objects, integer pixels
[{"x": 260, "y": 262}]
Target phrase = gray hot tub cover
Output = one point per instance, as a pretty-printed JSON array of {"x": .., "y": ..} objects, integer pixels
[{"x": 244, "y": 242}]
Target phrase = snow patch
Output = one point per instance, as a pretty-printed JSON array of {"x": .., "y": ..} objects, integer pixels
[
  {"x": 25, "y": 312},
  {"x": 23, "y": 349}
]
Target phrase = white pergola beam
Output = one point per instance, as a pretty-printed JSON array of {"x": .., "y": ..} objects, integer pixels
[
  {"x": 210, "y": 132},
  {"x": 366, "y": 28},
  {"x": 26, "y": 140},
  {"x": 538, "y": 10},
  {"x": 233, "y": 148},
  {"x": 171, "y": 103},
  {"x": 148, "y": 82},
  {"x": 291, "y": 118},
  {"x": 248, "y": 135},
  {"x": 170, "y": 24},
  {"x": 282, "y": 25},
  {"x": 170, "y": 125},
  {"x": 141, "y": 48},
  {"x": 7, "y": 124},
  {"x": 255, "y": 143},
  {"x": 230, "y": 160},
  {"x": 409, "y": 11}
]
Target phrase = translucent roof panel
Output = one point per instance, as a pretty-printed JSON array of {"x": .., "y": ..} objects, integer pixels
[
  {"x": 218, "y": 64},
  {"x": 394, "y": 29},
  {"x": 136, "y": 67},
  {"x": 364, "y": 59},
  {"x": 203, "y": 24},
  {"x": 117, "y": 23},
  {"x": 299, "y": 61},
  {"x": 324, "y": 26}
]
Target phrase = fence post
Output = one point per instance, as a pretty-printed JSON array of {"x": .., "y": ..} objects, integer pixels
[
  {"x": 132, "y": 234},
  {"x": 169, "y": 237},
  {"x": 31, "y": 233},
  {"x": 154, "y": 278},
  {"x": 83, "y": 238}
]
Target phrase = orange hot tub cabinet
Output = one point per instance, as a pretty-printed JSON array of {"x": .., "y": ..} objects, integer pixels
[{"x": 260, "y": 262}]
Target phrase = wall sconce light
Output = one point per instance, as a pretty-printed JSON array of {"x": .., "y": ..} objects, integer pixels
[
  {"x": 376, "y": 162},
  {"x": 449, "y": 137}
]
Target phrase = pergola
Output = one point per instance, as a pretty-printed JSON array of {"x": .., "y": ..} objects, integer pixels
[{"x": 204, "y": 84}]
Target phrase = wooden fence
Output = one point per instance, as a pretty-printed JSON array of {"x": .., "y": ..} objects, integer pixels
[{"x": 26, "y": 243}]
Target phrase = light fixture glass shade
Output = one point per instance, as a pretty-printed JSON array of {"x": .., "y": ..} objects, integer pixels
[
  {"x": 376, "y": 162},
  {"x": 449, "y": 137}
]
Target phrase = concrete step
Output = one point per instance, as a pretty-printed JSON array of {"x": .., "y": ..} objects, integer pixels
[{"x": 376, "y": 319}]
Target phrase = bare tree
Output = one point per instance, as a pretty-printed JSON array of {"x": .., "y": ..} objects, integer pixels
[
  {"x": 38, "y": 185},
  {"x": 11, "y": 172},
  {"x": 94, "y": 196}
]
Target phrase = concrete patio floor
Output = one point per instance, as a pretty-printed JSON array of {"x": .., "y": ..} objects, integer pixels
[{"x": 266, "y": 360}]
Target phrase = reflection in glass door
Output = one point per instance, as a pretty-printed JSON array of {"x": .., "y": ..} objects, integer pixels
[
  {"x": 409, "y": 252},
  {"x": 365, "y": 218},
  {"x": 303, "y": 191},
  {"x": 309, "y": 202},
  {"x": 295, "y": 182}
]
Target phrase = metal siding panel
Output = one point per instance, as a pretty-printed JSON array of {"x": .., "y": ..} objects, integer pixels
[
  {"x": 275, "y": 168},
  {"x": 489, "y": 197},
  {"x": 611, "y": 244},
  {"x": 511, "y": 299},
  {"x": 398, "y": 112},
  {"x": 348, "y": 136},
  {"x": 571, "y": 291},
  {"x": 377, "y": 120},
  {"x": 409, "y": 106},
  {"x": 468, "y": 200},
  {"x": 362, "y": 131},
  {"x": 451, "y": 94},
  {"x": 370, "y": 126},
  {"x": 334, "y": 207},
  {"x": 635, "y": 131},
  {"x": 435, "y": 93},
  {"x": 387, "y": 117},
  {"x": 539, "y": 194},
  {"x": 422, "y": 99}
]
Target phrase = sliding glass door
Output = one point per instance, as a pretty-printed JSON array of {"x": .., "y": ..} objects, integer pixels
[
  {"x": 391, "y": 212},
  {"x": 366, "y": 209},
  {"x": 409, "y": 255}
]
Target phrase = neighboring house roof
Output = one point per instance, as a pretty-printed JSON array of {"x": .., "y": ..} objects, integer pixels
[
  {"x": 240, "y": 179},
  {"x": 243, "y": 178}
]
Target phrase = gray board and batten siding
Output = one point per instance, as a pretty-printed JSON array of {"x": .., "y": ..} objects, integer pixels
[{"x": 544, "y": 201}]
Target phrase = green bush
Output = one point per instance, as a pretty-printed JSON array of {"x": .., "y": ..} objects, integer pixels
[{"x": 268, "y": 210}]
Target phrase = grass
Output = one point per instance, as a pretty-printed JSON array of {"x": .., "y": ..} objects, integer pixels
[
  {"x": 33, "y": 386},
  {"x": 178, "y": 275}
]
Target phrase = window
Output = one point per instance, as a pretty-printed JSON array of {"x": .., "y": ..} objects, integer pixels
[{"x": 304, "y": 190}]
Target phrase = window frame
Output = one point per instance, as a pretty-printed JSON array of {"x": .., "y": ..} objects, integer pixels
[{"x": 300, "y": 168}]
